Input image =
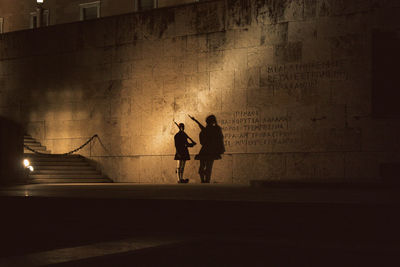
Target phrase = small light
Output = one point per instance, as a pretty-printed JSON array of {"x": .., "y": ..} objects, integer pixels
[
  {"x": 39, "y": 1},
  {"x": 30, "y": 168},
  {"x": 26, "y": 163}
]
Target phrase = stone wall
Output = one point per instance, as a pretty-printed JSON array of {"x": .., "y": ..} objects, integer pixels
[
  {"x": 289, "y": 81},
  {"x": 16, "y": 14}
]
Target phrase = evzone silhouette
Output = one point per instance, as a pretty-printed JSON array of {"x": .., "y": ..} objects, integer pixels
[
  {"x": 212, "y": 146},
  {"x": 182, "y": 152}
]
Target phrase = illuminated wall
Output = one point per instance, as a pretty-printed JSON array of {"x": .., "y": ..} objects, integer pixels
[
  {"x": 289, "y": 81},
  {"x": 16, "y": 14}
]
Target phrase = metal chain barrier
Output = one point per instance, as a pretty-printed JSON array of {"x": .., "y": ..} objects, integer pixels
[{"x": 64, "y": 154}]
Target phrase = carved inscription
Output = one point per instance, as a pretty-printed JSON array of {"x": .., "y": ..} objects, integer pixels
[
  {"x": 250, "y": 128},
  {"x": 301, "y": 75}
]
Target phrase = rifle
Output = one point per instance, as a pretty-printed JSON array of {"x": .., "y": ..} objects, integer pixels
[{"x": 191, "y": 140}]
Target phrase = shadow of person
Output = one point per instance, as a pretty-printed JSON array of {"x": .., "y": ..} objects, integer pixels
[{"x": 212, "y": 146}]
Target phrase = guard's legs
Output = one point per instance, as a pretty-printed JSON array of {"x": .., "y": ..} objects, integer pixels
[
  {"x": 202, "y": 170},
  {"x": 208, "y": 170},
  {"x": 180, "y": 167}
]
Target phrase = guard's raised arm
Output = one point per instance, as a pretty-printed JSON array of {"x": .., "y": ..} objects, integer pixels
[{"x": 198, "y": 123}]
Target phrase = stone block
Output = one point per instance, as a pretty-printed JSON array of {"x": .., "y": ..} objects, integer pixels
[
  {"x": 350, "y": 46},
  {"x": 174, "y": 85},
  {"x": 300, "y": 31},
  {"x": 356, "y": 94},
  {"x": 152, "y": 49},
  {"x": 233, "y": 98},
  {"x": 149, "y": 174},
  {"x": 141, "y": 103},
  {"x": 235, "y": 59},
  {"x": 98, "y": 33},
  {"x": 239, "y": 14},
  {"x": 128, "y": 52},
  {"x": 260, "y": 56},
  {"x": 221, "y": 80},
  {"x": 347, "y": 139},
  {"x": 301, "y": 117},
  {"x": 221, "y": 40},
  {"x": 109, "y": 166},
  {"x": 142, "y": 69},
  {"x": 157, "y": 24},
  {"x": 163, "y": 144},
  {"x": 215, "y": 61},
  {"x": 190, "y": 64},
  {"x": 330, "y": 116},
  {"x": 168, "y": 167},
  {"x": 36, "y": 129},
  {"x": 323, "y": 167},
  {"x": 270, "y": 12},
  {"x": 286, "y": 53},
  {"x": 98, "y": 108},
  {"x": 310, "y": 9},
  {"x": 248, "y": 37},
  {"x": 174, "y": 47},
  {"x": 141, "y": 145},
  {"x": 341, "y": 7},
  {"x": 121, "y": 71},
  {"x": 130, "y": 170},
  {"x": 184, "y": 104},
  {"x": 247, "y": 78},
  {"x": 185, "y": 17},
  {"x": 131, "y": 125},
  {"x": 128, "y": 29},
  {"x": 259, "y": 98},
  {"x": 130, "y": 88},
  {"x": 301, "y": 166},
  {"x": 151, "y": 87},
  {"x": 362, "y": 167},
  {"x": 210, "y": 101},
  {"x": 151, "y": 124},
  {"x": 274, "y": 34},
  {"x": 197, "y": 43},
  {"x": 203, "y": 62},
  {"x": 222, "y": 170},
  {"x": 257, "y": 167},
  {"x": 316, "y": 50},
  {"x": 210, "y": 17},
  {"x": 120, "y": 107},
  {"x": 376, "y": 136}
]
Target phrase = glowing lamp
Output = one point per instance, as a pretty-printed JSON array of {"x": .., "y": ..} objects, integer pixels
[
  {"x": 39, "y": 1},
  {"x": 30, "y": 168},
  {"x": 26, "y": 163}
]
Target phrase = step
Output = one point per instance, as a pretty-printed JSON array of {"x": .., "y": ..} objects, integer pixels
[
  {"x": 66, "y": 172},
  {"x": 59, "y": 156},
  {"x": 40, "y": 148},
  {"x": 27, "y": 151},
  {"x": 53, "y": 168},
  {"x": 69, "y": 176},
  {"x": 67, "y": 180},
  {"x": 32, "y": 143},
  {"x": 70, "y": 164},
  {"x": 56, "y": 159},
  {"x": 62, "y": 168}
]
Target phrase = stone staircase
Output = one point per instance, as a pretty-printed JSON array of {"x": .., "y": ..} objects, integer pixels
[{"x": 59, "y": 168}]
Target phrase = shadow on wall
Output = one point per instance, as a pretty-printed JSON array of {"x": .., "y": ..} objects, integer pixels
[{"x": 11, "y": 152}]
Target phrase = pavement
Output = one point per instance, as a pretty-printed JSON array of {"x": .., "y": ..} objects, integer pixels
[
  {"x": 198, "y": 225},
  {"x": 216, "y": 192}
]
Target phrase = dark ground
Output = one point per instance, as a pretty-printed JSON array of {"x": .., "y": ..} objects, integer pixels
[{"x": 139, "y": 225}]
